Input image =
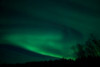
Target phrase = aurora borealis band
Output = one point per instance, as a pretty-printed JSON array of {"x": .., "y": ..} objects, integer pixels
[{"x": 45, "y": 29}]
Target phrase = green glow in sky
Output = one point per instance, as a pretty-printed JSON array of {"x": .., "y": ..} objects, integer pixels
[
  {"x": 51, "y": 42},
  {"x": 48, "y": 27}
]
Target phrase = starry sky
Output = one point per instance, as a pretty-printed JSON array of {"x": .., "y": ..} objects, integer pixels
[{"x": 39, "y": 30}]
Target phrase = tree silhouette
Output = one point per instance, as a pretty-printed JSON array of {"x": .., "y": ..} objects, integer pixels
[
  {"x": 90, "y": 48},
  {"x": 81, "y": 52}
]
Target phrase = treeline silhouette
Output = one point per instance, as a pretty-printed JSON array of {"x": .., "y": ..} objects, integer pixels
[
  {"x": 87, "y": 55},
  {"x": 90, "y": 49},
  {"x": 81, "y": 62}
]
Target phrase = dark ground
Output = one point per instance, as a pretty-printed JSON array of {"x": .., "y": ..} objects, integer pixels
[{"x": 81, "y": 62}]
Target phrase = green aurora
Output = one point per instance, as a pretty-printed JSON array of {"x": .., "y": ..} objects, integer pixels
[{"x": 47, "y": 27}]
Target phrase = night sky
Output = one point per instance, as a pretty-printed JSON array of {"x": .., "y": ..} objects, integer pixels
[{"x": 39, "y": 30}]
